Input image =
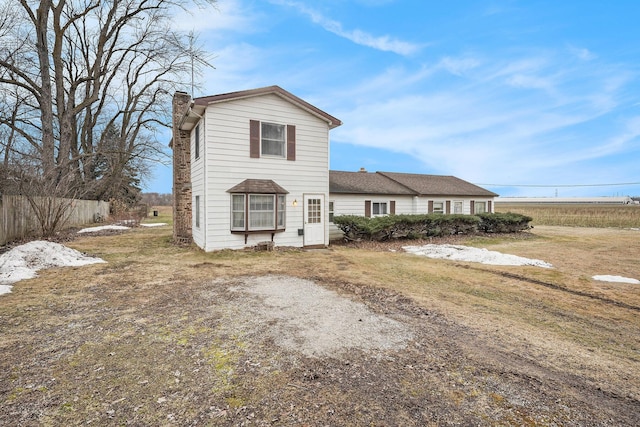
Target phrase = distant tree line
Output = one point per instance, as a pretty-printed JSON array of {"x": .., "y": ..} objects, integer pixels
[{"x": 157, "y": 199}]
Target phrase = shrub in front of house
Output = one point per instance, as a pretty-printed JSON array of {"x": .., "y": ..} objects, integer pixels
[
  {"x": 503, "y": 222},
  {"x": 430, "y": 225}
]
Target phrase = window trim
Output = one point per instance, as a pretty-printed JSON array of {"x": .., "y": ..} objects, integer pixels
[
  {"x": 197, "y": 211},
  {"x": 331, "y": 210},
  {"x": 478, "y": 203},
  {"x": 461, "y": 204},
  {"x": 197, "y": 141},
  {"x": 379, "y": 203},
  {"x": 440, "y": 210},
  {"x": 282, "y": 143},
  {"x": 279, "y": 213}
]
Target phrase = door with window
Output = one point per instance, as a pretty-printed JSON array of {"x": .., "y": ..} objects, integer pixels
[{"x": 313, "y": 220}]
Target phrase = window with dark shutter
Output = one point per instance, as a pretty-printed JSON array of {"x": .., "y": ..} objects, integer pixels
[
  {"x": 448, "y": 211},
  {"x": 367, "y": 208},
  {"x": 392, "y": 207},
  {"x": 430, "y": 208}
]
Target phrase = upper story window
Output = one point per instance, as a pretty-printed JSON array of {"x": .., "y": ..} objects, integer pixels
[{"x": 273, "y": 140}]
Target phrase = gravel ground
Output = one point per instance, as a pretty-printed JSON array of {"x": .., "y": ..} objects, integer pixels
[{"x": 315, "y": 321}]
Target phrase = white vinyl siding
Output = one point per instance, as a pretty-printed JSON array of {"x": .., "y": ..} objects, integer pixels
[{"x": 227, "y": 157}]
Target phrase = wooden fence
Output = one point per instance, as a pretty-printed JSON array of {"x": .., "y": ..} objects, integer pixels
[{"x": 18, "y": 220}]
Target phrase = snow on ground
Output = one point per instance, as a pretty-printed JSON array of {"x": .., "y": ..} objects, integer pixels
[
  {"x": 618, "y": 279},
  {"x": 23, "y": 262},
  {"x": 467, "y": 253},
  {"x": 103, "y": 227},
  {"x": 155, "y": 224}
]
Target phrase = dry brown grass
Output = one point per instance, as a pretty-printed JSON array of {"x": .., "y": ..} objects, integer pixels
[
  {"x": 133, "y": 340},
  {"x": 577, "y": 215}
]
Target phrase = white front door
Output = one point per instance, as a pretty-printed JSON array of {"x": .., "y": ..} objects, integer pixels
[{"x": 313, "y": 219}]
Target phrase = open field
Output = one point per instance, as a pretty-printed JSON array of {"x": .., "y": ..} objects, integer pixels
[
  {"x": 577, "y": 215},
  {"x": 166, "y": 335}
]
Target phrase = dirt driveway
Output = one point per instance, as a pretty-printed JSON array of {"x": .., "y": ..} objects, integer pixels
[{"x": 184, "y": 339}]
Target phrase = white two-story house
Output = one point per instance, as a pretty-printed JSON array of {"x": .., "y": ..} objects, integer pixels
[{"x": 249, "y": 167}]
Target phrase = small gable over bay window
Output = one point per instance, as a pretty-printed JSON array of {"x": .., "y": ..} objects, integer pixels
[
  {"x": 258, "y": 205},
  {"x": 272, "y": 140}
]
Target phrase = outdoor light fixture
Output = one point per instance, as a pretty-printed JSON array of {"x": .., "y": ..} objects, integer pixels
[{"x": 295, "y": 202}]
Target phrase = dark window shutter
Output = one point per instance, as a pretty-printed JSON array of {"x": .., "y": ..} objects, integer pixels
[
  {"x": 291, "y": 142},
  {"x": 472, "y": 207},
  {"x": 448, "y": 211},
  {"x": 489, "y": 206},
  {"x": 254, "y": 139},
  {"x": 430, "y": 208},
  {"x": 392, "y": 207},
  {"x": 367, "y": 208}
]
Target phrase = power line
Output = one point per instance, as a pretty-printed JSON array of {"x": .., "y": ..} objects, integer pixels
[{"x": 560, "y": 185}]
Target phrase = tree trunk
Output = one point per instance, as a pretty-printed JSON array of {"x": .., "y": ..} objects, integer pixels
[{"x": 45, "y": 99}]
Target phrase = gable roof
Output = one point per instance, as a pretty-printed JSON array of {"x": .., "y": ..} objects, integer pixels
[
  {"x": 402, "y": 184},
  {"x": 201, "y": 103}
]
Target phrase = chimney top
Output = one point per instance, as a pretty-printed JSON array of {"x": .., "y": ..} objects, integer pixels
[{"x": 362, "y": 170}]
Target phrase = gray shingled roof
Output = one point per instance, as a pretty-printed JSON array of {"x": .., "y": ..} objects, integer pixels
[
  {"x": 437, "y": 185},
  {"x": 258, "y": 186},
  {"x": 364, "y": 183},
  {"x": 402, "y": 184}
]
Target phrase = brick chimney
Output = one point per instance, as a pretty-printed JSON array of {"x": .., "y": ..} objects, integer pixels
[{"x": 181, "y": 172}]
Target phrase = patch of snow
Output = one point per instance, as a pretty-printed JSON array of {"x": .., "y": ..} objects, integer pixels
[
  {"x": 23, "y": 262},
  {"x": 155, "y": 224},
  {"x": 467, "y": 253},
  {"x": 103, "y": 227},
  {"x": 618, "y": 279}
]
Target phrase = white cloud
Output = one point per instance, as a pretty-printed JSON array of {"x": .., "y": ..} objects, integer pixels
[
  {"x": 512, "y": 121},
  {"x": 582, "y": 53},
  {"x": 458, "y": 66},
  {"x": 384, "y": 43}
]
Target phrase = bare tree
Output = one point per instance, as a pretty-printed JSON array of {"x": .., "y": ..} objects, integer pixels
[{"x": 86, "y": 84}]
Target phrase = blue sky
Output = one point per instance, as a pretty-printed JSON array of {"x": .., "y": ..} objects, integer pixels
[{"x": 526, "y": 98}]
